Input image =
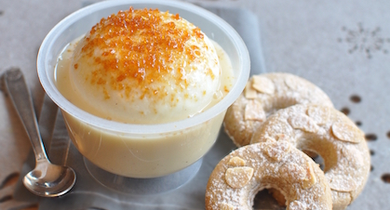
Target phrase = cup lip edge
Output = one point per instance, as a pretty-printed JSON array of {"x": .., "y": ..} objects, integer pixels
[{"x": 68, "y": 107}]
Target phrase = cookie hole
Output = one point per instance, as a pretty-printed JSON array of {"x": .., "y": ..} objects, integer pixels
[
  {"x": 386, "y": 178},
  {"x": 345, "y": 110},
  {"x": 371, "y": 137},
  {"x": 320, "y": 161},
  {"x": 358, "y": 123},
  {"x": 388, "y": 134},
  {"x": 371, "y": 168},
  {"x": 269, "y": 199},
  {"x": 317, "y": 158},
  {"x": 355, "y": 99},
  {"x": 1, "y": 12}
]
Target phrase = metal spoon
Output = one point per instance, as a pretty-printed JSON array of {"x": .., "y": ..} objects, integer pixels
[{"x": 46, "y": 179}]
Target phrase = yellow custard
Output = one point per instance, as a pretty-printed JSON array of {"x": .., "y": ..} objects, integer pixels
[{"x": 136, "y": 99}]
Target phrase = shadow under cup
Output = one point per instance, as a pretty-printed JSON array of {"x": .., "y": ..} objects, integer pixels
[{"x": 142, "y": 151}]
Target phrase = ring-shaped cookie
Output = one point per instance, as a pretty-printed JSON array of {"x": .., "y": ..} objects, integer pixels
[
  {"x": 238, "y": 177},
  {"x": 263, "y": 95},
  {"x": 329, "y": 133}
]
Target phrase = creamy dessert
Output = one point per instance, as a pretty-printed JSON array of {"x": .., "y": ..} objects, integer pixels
[{"x": 144, "y": 67}]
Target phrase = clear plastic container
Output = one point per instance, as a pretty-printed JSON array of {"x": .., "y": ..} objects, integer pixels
[{"x": 132, "y": 150}]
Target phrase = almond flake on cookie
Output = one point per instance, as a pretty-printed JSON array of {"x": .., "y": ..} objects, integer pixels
[
  {"x": 238, "y": 177},
  {"x": 263, "y": 85}
]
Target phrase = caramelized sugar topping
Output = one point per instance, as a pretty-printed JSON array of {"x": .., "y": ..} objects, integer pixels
[{"x": 135, "y": 48}]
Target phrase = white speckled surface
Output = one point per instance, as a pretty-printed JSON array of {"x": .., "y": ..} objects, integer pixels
[{"x": 343, "y": 47}]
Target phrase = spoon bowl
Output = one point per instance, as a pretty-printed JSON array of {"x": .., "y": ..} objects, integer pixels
[
  {"x": 46, "y": 179},
  {"x": 49, "y": 180}
]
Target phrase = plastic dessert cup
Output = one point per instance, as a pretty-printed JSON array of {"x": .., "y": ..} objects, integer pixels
[{"x": 133, "y": 150}]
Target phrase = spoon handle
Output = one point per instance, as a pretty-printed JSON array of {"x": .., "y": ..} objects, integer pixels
[{"x": 22, "y": 101}]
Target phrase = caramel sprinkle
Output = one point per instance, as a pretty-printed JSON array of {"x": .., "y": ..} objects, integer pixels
[{"x": 137, "y": 48}]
